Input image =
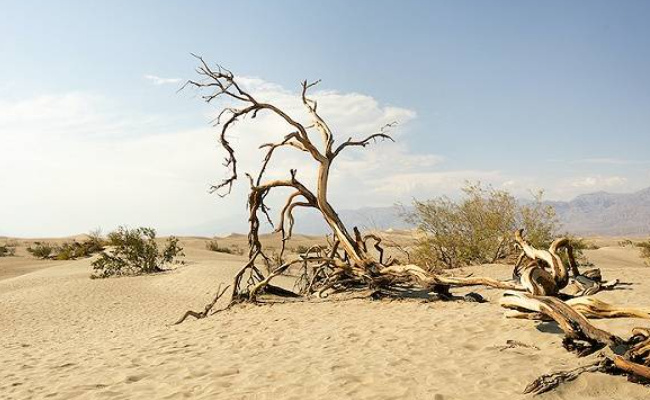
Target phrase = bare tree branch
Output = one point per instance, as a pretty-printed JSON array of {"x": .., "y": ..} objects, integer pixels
[{"x": 381, "y": 135}]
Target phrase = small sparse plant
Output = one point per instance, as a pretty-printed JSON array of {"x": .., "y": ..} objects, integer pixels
[
  {"x": 301, "y": 249},
  {"x": 74, "y": 250},
  {"x": 41, "y": 250},
  {"x": 135, "y": 252},
  {"x": 7, "y": 250},
  {"x": 213, "y": 245},
  {"x": 68, "y": 250},
  {"x": 644, "y": 248},
  {"x": 645, "y": 251},
  {"x": 626, "y": 243}
]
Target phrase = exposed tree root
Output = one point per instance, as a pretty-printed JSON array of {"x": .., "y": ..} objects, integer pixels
[
  {"x": 581, "y": 336},
  {"x": 206, "y": 310},
  {"x": 513, "y": 344},
  {"x": 631, "y": 356},
  {"x": 548, "y": 382}
]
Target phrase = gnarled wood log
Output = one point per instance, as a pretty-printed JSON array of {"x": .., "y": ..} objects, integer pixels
[
  {"x": 575, "y": 326},
  {"x": 538, "y": 281},
  {"x": 589, "y": 307},
  {"x": 635, "y": 351}
]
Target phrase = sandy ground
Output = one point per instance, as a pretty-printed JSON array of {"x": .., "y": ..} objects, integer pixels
[{"x": 64, "y": 335}]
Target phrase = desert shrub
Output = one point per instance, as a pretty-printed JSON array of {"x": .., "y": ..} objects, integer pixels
[
  {"x": 478, "y": 228},
  {"x": 645, "y": 250},
  {"x": 135, "y": 252},
  {"x": 7, "y": 250},
  {"x": 213, "y": 245},
  {"x": 301, "y": 249},
  {"x": 41, "y": 250},
  {"x": 74, "y": 250},
  {"x": 68, "y": 250}
]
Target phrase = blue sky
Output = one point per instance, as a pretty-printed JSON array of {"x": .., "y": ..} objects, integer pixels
[{"x": 520, "y": 94}]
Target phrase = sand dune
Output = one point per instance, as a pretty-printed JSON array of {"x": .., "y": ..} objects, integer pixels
[{"x": 64, "y": 335}]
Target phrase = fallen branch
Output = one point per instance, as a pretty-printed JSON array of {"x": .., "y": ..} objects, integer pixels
[
  {"x": 548, "y": 382},
  {"x": 207, "y": 309}
]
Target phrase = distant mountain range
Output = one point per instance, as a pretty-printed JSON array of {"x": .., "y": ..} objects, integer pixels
[
  {"x": 599, "y": 213},
  {"x": 603, "y": 213}
]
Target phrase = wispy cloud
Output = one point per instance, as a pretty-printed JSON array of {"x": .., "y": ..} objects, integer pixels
[
  {"x": 88, "y": 153},
  {"x": 156, "y": 80},
  {"x": 609, "y": 161},
  {"x": 140, "y": 174},
  {"x": 599, "y": 182}
]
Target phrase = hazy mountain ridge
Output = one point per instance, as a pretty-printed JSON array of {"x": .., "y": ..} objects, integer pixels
[
  {"x": 599, "y": 213},
  {"x": 603, "y": 213}
]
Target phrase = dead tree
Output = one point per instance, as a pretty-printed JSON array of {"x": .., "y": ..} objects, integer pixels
[{"x": 348, "y": 263}]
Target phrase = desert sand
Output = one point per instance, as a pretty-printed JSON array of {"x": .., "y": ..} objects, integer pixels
[{"x": 64, "y": 336}]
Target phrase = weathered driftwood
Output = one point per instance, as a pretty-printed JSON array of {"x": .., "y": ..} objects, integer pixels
[
  {"x": 548, "y": 382},
  {"x": 206, "y": 310},
  {"x": 575, "y": 326},
  {"x": 589, "y": 307},
  {"x": 543, "y": 273},
  {"x": 631, "y": 356}
]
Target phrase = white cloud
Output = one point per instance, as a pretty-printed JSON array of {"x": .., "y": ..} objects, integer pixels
[
  {"x": 156, "y": 80},
  {"x": 430, "y": 183},
  {"x": 76, "y": 161},
  {"x": 599, "y": 182}
]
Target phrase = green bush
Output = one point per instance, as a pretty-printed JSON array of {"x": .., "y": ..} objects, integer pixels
[
  {"x": 478, "y": 228},
  {"x": 74, "y": 250},
  {"x": 135, "y": 252}
]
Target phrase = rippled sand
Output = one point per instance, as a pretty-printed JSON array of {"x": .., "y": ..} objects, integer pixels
[{"x": 64, "y": 335}]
